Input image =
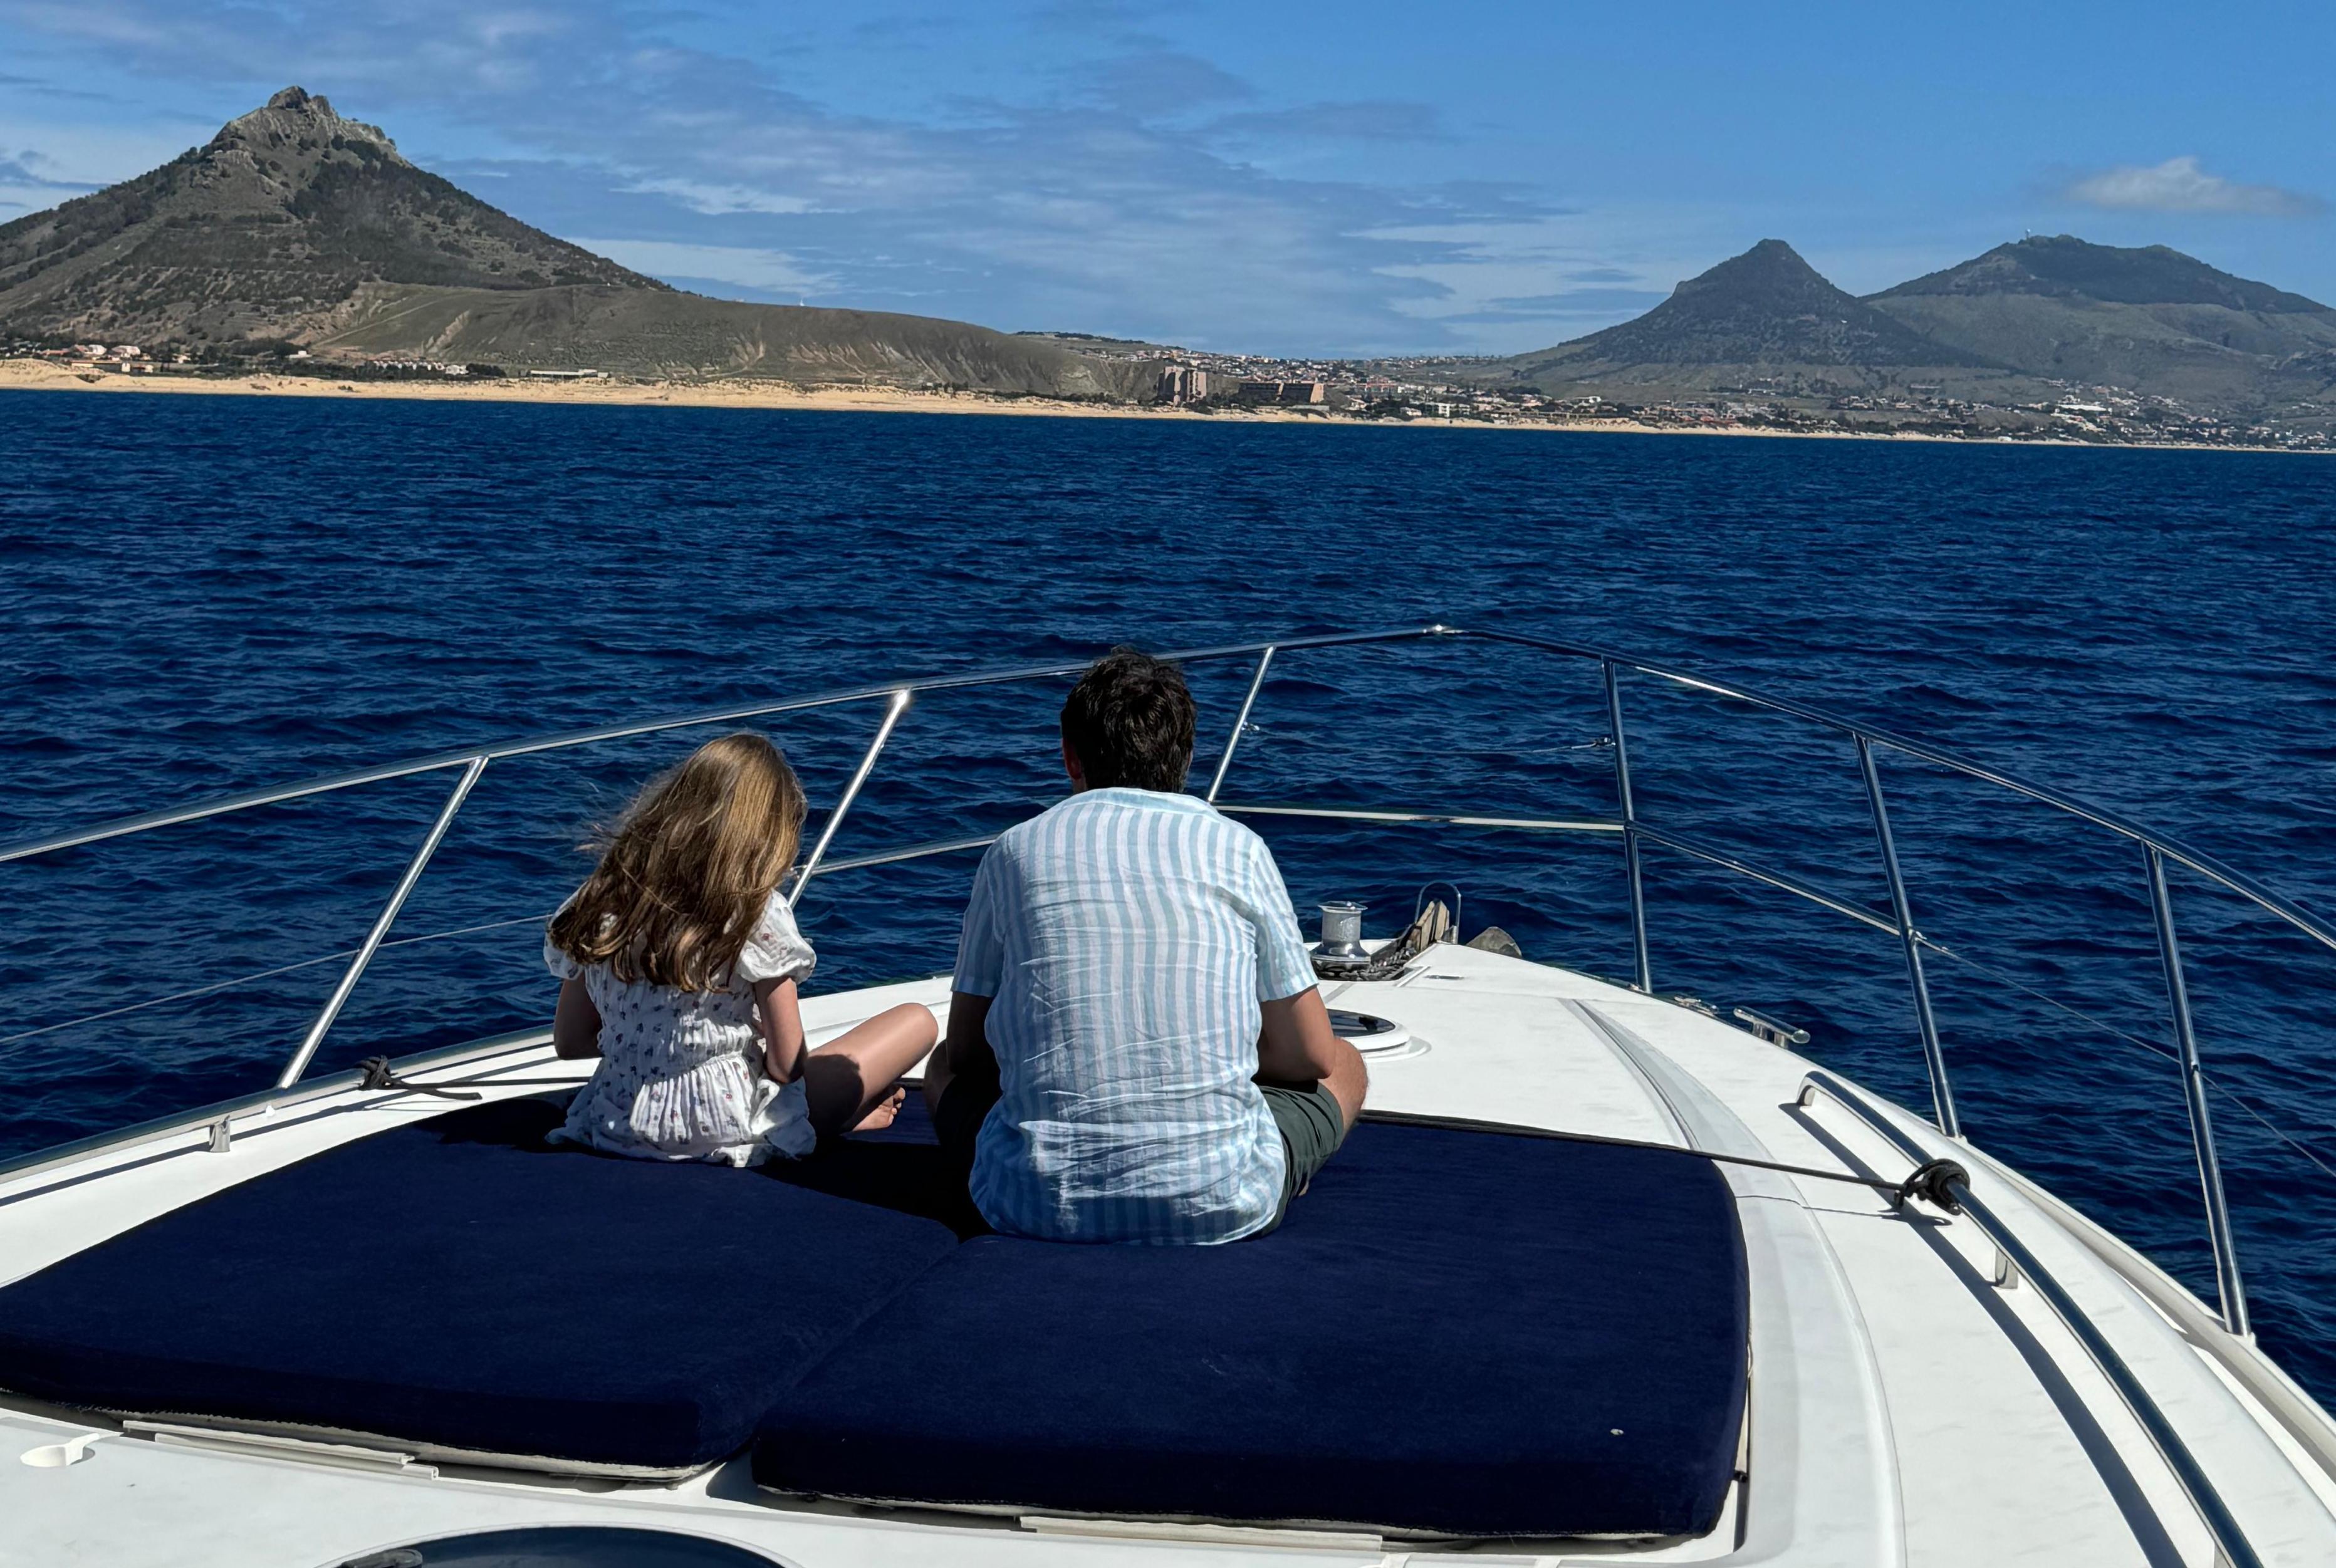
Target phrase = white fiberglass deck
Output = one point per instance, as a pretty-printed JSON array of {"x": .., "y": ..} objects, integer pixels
[{"x": 1911, "y": 1400}]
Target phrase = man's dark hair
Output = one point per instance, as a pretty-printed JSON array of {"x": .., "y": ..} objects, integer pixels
[{"x": 1129, "y": 721}]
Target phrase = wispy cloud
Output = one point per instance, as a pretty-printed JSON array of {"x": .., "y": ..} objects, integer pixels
[
  {"x": 716, "y": 199},
  {"x": 21, "y": 170},
  {"x": 1133, "y": 188},
  {"x": 2181, "y": 185},
  {"x": 1361, "y": 120},
  {"x": 35, "y": 86},
  {"x": 1501, "y": 287},
  {"x": 1157, "y": 83},
  {"x": 769, "y": 272}
]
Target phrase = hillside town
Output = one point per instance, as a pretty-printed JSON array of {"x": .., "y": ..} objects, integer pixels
[
  {"x": 1397, "y": 390},
  {"x": 1413, "y": 389}
]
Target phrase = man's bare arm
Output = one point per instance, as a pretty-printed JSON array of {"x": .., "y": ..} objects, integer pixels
[{"x": 1298, "y": 1045}]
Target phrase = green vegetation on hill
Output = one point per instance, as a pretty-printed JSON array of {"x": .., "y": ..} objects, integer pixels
[
  {"x": 668, "y": 332},
  {"x": 2011, "y": 328},
  {"x": 296, "y": 224},
  {"x": 2066, "y": 267},
  {"x": 283, "y": 213},
  {"x": 2152, "y": 321},
  {"x": 1765, "y": 306}
]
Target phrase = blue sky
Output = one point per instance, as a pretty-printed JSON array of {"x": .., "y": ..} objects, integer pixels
[{"x": 1344, "y": 177}]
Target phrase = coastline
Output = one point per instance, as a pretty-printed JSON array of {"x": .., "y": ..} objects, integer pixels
[{"x": 40, "y": 375}]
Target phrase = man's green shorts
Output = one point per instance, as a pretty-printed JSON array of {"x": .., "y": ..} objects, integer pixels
[{"x": 1311, "y": 1131}]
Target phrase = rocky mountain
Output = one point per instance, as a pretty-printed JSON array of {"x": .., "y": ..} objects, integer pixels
[
  {"x": 2013, "y": 326},
  {"x": 285, "y": 213},
  {"x": 1763, "y": 316},
  {"x": 295, "y": 223},
  {"x": 1766, "y": 306},
  {"x": 2151, "y": 320}
]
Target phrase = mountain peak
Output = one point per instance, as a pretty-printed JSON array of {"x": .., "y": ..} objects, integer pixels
[
  {"x": 299, "y": 120},
  {"x": 270, "y": 230},
  {"x": 2062, "y": 265},
  {"x": 1771, "y": 272},
  {"x": 1768, "y": 258},
  {"x": 1766, "y": 306}
]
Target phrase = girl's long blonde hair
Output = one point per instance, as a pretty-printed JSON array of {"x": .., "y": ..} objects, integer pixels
[{"x": 685, "y": 873}]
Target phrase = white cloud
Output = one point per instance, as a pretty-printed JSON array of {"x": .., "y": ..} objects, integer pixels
[
  {"x": 771, "y": 270},
  {"x": 2180, "y": 185},
  {"x": 716, "y": 199},
  {"x": 1111, "y": 193},
  {"x": 1500, "y": 288}
]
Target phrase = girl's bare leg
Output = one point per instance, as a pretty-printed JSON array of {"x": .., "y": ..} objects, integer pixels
[{"x": 856, "y": 1074}]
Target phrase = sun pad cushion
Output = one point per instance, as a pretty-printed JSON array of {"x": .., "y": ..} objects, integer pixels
[
  {"x": 456, "y": 1282},
  {"x": 1455, "y": 1332}
]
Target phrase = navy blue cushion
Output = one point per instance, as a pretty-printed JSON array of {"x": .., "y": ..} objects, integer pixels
[
  {"x": 901, "y": 1168},
  {"x": 457, "y": 1282},
  {"x": 1455, "y": 1332}
]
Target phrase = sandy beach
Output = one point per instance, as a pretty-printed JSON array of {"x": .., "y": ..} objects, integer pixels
[{"x": 42, "y": 376}]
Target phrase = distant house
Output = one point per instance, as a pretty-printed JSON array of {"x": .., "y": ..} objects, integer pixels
[
  {"x": 567, "y": 374},
  {"x": 1283, "y": 392},
  {"x": 1182, "y": 384}
]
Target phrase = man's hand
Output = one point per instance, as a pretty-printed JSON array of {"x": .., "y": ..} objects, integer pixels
[
  {"x": 964, "y": 1049},
  {"x": 1298, "y": 1045}
]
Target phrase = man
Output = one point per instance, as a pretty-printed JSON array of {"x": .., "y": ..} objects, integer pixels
[{"x": 1136, "y": 1051}]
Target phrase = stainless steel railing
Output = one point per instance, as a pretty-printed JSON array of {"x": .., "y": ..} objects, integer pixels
[{"x": 1627, "y": 825}]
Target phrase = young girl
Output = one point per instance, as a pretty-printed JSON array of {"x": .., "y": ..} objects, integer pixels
[{"x": 679, "y": 962}]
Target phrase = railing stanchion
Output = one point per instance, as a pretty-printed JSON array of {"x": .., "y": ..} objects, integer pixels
[
  {"x": 381, "y": 924},
  {"x": 2233, "y": 1291},
  {"x": 1934, "y": 1061},
  {"x": 892, "y": 712},
  {"x": 1241, "y": 722},
  {"x": 1643, "y": 970}
]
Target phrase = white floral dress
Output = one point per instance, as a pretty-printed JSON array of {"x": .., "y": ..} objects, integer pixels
[{"x": 681, "y": 1071}]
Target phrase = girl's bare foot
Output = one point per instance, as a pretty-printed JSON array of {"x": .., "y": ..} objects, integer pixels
[{"x": 882, "y": 1115}]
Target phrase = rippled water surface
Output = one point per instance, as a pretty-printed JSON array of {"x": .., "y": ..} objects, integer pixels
[{"x": 202, "y": 595}]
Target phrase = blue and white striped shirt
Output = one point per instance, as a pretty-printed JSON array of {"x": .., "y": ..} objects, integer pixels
[{"x": 1127, "y": 937}]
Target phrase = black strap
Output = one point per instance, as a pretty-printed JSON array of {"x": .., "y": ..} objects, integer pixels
[
  {"x": 1933, "y": 1181},
  {"x": 378, "y": 1076}
]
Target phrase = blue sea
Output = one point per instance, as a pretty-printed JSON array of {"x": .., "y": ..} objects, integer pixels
[{"x": 201, "y": 595}]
